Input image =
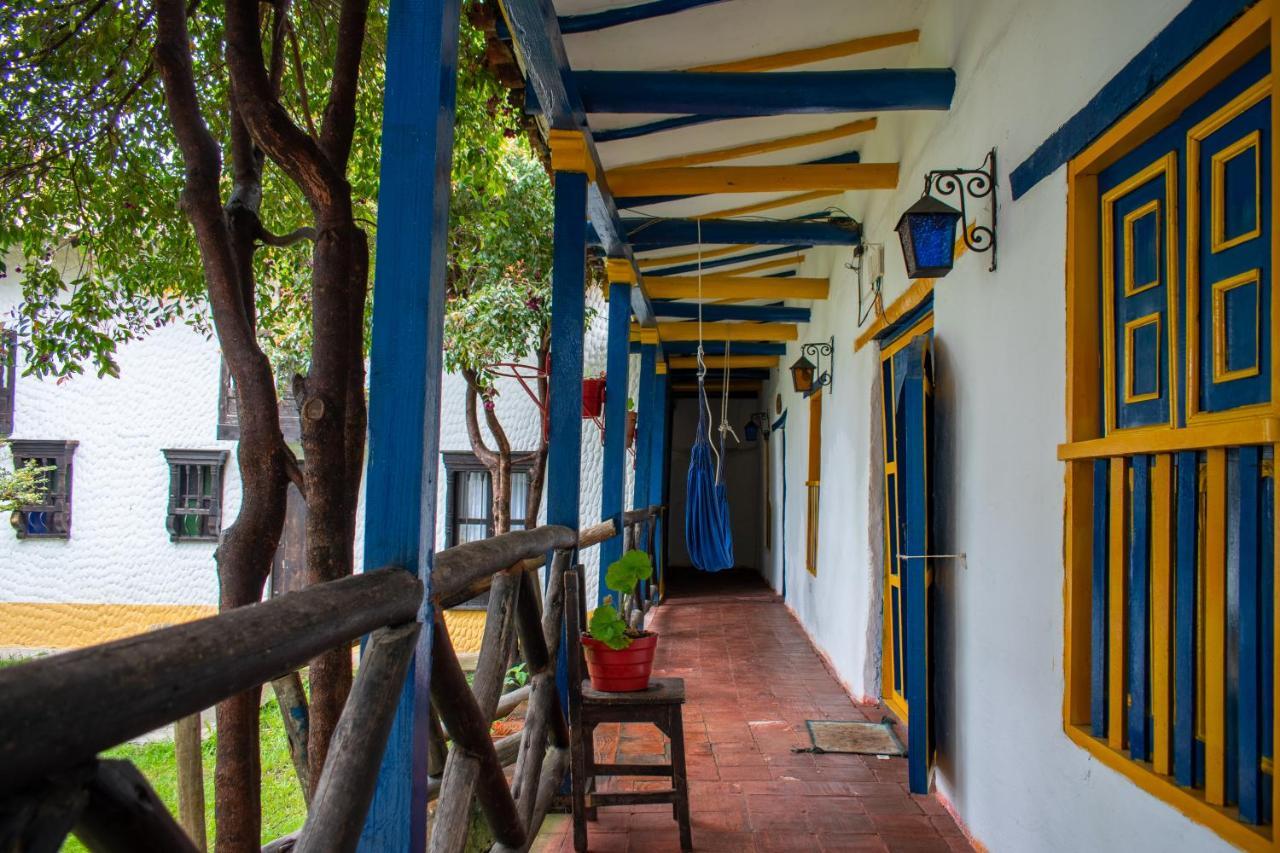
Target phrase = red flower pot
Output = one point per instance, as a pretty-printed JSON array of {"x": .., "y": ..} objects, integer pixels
[
  {"x": 592, "y": 397},
  {"x": 620, "y": 670}
]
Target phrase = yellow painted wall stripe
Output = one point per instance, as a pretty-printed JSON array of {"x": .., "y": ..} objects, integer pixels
[
  {"x": 702, "y": 158},
  {"x": 687, "y": 362},
  {"x": 41, "y": 626},
  {"x": 726, "y": 287},
  {"x": 1117, "y": 603},
  {"x": 728, "y": 331},
  {"x": 1162, "y": 612},
  {"x": 753, "y": 179},
  {"x": 804, "y": 56},
  {"x": 1215, "y": 632}
]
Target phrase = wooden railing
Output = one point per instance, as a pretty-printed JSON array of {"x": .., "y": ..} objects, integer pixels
[
  {"x": 639, "y": 531},
  {"x": 57, "y": 714}
]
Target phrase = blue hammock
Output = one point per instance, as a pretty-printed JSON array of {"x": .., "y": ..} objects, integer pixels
[{"x": 706, "y": 514}]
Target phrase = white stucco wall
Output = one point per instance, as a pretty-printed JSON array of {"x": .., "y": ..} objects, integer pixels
[
  {"x": 119, "y": 551},
  {"x": 1023, "y": 69}
]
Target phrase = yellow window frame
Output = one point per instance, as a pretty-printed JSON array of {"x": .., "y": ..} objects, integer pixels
[{"x": 1086, "y": 441}]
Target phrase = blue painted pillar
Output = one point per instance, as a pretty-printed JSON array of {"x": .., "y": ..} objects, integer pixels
[
  {"x": 568, "y": 311},
  {"x": 644, "y": 425},
  {"x": 405, "y": 371},
  {"x": 613, "y": 487},
  {"x": 658, "y": 466}
]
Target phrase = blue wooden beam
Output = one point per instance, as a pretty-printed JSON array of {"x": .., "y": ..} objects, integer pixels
[
  {"x": 625, "y": 202},
  {"x": 589, "y": 22},
  {"x": 546, "y": 66},
  {"x": 711, "y": 313},
  {"x": 764, "y": 93},
  {"x": 717, "y": 348},
  {"x": 613, "y": 486},
  {"x": 405, "y": 369},
  {"x": 645, "y": 233},
  {"x": 724, "y": 262}
]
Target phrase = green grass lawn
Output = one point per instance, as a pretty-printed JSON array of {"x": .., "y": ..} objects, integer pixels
[{"x": 283, "y": 809}]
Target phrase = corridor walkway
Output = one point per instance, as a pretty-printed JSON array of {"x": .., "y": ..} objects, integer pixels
[{"x": 752, "y": 680}]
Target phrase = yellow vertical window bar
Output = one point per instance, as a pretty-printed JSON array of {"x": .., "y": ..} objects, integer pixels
[
  {"x": 1161, "y": 612},
  {"x": 1215, "y": 633},
  {"x": 1117, "y": 710}
]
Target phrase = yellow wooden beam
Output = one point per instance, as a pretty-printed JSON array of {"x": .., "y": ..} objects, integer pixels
[
  {"x": 726, "y": 331},
  {"x": 808, "y": 55},
  {"x": 688, "y": 362},
  {"x": 733, "y": 287},
  {"x": 620, "y": 271},
  {"x": 706, "y": 255},
  {"x": 734, "y": 152},
  {"x": 569, "y": 153},
  {"x": 753, "y": 179},
  {"x": 760, "y": 207}
]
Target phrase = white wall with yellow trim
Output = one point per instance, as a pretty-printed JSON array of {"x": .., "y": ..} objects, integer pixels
[{"x": 1004, "y": 761}]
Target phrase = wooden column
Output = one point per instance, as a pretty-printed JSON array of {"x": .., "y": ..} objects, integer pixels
[
  {"x": 658, "y": 465},
  {"x": 613, "y": 499},
  {"x": 645, "y": 426},
  {"x": 571, "y": 167},
  {"x": 405, "y": 370}
]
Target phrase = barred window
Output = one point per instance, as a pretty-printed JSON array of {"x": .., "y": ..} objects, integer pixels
[
  {"x": 8, "y": 378},
  {"x": 469, "y": 502},
  {"x": 229, "y": 411},
  {"x": 195, "y": 494},
  {"x": 51, "y": 518}
]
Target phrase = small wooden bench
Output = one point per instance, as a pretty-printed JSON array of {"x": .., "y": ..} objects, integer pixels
[{"x": 660, "y": 705}]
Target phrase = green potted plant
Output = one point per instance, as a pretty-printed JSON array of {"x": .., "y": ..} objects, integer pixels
[{"x": 620, "y": 658}]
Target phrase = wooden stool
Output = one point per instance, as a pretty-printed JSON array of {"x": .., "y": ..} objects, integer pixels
[{"x": 660, "y": 705}]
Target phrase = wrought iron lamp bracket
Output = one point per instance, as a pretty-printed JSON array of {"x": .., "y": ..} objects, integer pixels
[
  {"x": 819, "y": 351},
  {"x": 969, "y": 185}
]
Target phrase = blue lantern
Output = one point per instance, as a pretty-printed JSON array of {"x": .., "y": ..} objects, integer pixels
[
  {"x": 751, "y": 432},
  {"x": 927, "y": 230}
]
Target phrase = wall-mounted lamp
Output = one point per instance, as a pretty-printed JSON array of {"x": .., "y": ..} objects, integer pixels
[
  {"x": 806, "y": 376},
  {"x": 927, "y": 228},
  {"x": 757, "y": 426}
]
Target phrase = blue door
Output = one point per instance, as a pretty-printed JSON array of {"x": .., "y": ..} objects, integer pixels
[{"x": 912, "y": 440}]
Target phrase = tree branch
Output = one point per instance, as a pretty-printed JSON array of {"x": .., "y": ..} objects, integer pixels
[
  {"x": 297, "y": 235},
  {"x": 338, "y": 126},
  {"x": 301, "y": 79},
  {"x": 486, "y": 456}
]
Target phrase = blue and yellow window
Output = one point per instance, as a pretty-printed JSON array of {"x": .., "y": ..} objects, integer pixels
[{"x": 1171, "y": 440}]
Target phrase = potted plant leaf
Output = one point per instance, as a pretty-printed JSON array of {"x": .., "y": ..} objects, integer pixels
[{"x": 620, "y": 658}]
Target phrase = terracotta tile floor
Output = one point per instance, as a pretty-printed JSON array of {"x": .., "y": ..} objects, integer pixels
[{"x": 752, "y": 679}]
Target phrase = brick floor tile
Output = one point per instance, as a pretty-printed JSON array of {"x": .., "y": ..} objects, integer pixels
[{"x": 747, "y": 706}]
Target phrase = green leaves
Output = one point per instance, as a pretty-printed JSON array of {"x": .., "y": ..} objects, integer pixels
[
  {"x": 607, "y": 626},
  {"x": 628, "y": 570},
  {"x": 23, "y": 486}
]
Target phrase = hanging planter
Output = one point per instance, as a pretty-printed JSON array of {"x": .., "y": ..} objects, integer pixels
[
  {"x": 632, "y": 417},
  {"x": 593, "y": 397}
]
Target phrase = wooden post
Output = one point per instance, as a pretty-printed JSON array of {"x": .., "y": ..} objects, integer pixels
[
  {"x": 350, "y": 773},
  {"x": 612, "y": 500},
  {"x": 125, "y": 813},
  {"x": 568, "y": 306},
  {"x": 405, "y": 368},
  {"x": 190, "y": 766},
  {"x": 658, "y": 467},
  {"x": 644, "y": 425},
  {"x": 292, "y": 700}
]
